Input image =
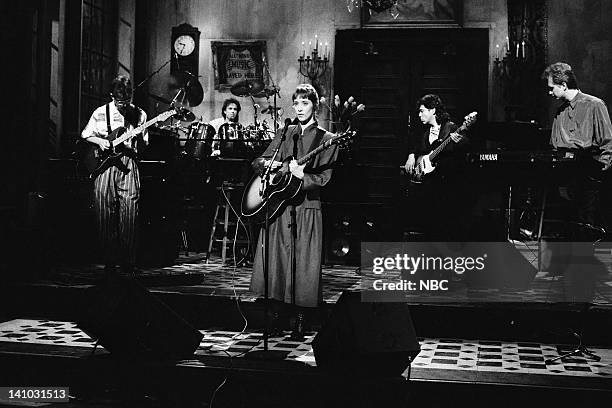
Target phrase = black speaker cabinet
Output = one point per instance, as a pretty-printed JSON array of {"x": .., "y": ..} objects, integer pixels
[
  {"x": 506, "y": 267},
  {"x": 158, "y": 234},
  {"x": 368, "y": 338},
  {"x": 130, "y": 322}
]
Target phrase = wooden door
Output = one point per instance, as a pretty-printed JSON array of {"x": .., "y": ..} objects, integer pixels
[{"x": 389, "y": 70}]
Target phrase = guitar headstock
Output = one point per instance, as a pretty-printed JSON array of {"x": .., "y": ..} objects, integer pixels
[
  {"x": 470, "y": 119},
  {"x": 167, "y": 114}
]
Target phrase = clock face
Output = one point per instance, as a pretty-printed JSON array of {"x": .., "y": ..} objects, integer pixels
[{"x": 184, "y": 45}]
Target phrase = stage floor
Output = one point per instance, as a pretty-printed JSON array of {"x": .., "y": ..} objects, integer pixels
[
  {"x": 467, "y": 344},
  {"x": 192, "y": 274},
  {"x": 457, "y": 360}
]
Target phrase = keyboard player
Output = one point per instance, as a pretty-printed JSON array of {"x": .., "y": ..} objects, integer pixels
[{"x": 581, "y": 122}]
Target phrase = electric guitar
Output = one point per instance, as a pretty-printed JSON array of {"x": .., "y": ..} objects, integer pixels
[
  {"x": 95, "y": 161},
  {"x": 424, "y": 164},
  {"x": 269, "y": 194}
]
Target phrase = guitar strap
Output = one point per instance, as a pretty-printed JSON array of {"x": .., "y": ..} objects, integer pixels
[
  {"x": 315, "y": 142},
  {"x": 108, "y": 124},
  {"x": 119, "y": 164},
  {"x": 317, "y": 139}
]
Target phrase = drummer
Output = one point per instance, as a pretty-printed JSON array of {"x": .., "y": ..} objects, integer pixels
[{"x": 227, "y": 126}]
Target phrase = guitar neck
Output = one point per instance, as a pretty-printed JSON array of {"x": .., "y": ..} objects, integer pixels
[
  {"x": 445, "y": 143},
  {"x": 309, "y": 156},
  {"x": 140, "y": 128},
  {"x": 439, "y": 149}
]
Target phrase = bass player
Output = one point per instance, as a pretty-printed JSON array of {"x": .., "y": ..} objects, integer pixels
[{"x": 436, "y": 207}]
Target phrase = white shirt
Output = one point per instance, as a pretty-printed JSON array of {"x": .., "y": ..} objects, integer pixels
[
  {"x": 434, "y": 132},
  {"x": 97, "y": 123}
]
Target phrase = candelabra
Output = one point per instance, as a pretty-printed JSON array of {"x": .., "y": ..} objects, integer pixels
[{"x": 313, "y": 66}]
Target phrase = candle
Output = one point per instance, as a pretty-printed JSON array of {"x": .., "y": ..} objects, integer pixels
[
  {"x": 517, "y": 49},
  {"x": 303, "y": 50},
  {"x": 496, "y": 51},
  {"x": 507, "y": 44},
  {"x": 326, "y": 52},
  {"x": 523, "y": 48},
  {"x": 310, "y": 48},
  {"x": 316, "y": 43}
]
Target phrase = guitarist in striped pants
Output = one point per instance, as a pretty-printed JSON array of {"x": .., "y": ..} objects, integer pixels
[{"x": 117, "y": 189}]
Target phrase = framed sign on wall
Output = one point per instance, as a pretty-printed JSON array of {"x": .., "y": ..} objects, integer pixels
[
  {"x": 384, "y": 13},
  {"x": 236, "y": 61}
]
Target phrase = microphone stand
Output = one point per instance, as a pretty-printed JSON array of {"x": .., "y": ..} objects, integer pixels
[
  {"x": 255, "y": 107},
  {"x": 267, "y": 354},
  {"x": 152, "y": 74},
  {"x": 295, "y": 335}
]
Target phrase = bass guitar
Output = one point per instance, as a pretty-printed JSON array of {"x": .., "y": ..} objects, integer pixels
[
  {"x": 424, "y": 164},
  {"x": 269, "y": 194},
  {"x": 95, "y": 161}
]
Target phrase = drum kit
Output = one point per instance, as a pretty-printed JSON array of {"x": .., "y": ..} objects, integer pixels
[{"x": 198, "y": 140}]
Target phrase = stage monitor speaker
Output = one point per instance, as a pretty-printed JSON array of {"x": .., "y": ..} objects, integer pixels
[
  {"x": 368, "y": 338},
  {"x": 506, "y": 267},
  {"x": 129, "y": 321}
]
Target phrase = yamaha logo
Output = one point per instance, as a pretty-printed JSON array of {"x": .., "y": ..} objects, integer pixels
[{"x": 488, "y": 157}]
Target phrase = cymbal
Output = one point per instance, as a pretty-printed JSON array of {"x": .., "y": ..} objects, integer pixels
[
  {"x": 191, "y": 87},
  {"x": 185, "y": 115},
  {"x": 247, "y": 87},
  {"x": 270, "y": 109},
  {"x": 195, "y": 93},
  {"x": 266, "y": 92}
]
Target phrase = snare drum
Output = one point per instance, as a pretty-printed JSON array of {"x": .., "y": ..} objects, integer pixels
[{"x": 198, "y": 145}]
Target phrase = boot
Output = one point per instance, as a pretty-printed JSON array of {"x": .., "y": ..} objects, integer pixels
[
  {"x": 298, "y": 330},
  {"x": 275, "y": 325}
]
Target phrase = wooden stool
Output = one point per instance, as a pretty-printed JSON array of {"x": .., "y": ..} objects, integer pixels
[{"x": 225, "y": 216}]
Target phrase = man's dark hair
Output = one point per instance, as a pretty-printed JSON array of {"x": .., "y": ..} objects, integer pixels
[
  {"x": 227, "y": 103},
  {"x": 560, "y": 73},
  {"x": 121, "y": 88},
  {"x": 431, "y": 101}
]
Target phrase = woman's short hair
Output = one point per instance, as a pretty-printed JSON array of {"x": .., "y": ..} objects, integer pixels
[
  {"x": 431, "y": 101},
  {"x": 560, "y": 73},
  {"x": 307, "y": 91}
]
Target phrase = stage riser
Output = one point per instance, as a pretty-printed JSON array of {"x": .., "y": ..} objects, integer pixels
[{"x": 102, "y": 378}]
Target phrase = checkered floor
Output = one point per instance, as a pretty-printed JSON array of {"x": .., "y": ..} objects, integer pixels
[{"x": 441, "y": 354}]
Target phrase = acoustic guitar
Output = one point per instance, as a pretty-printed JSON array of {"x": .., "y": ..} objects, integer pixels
[{"x": 269, "y": 194}]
